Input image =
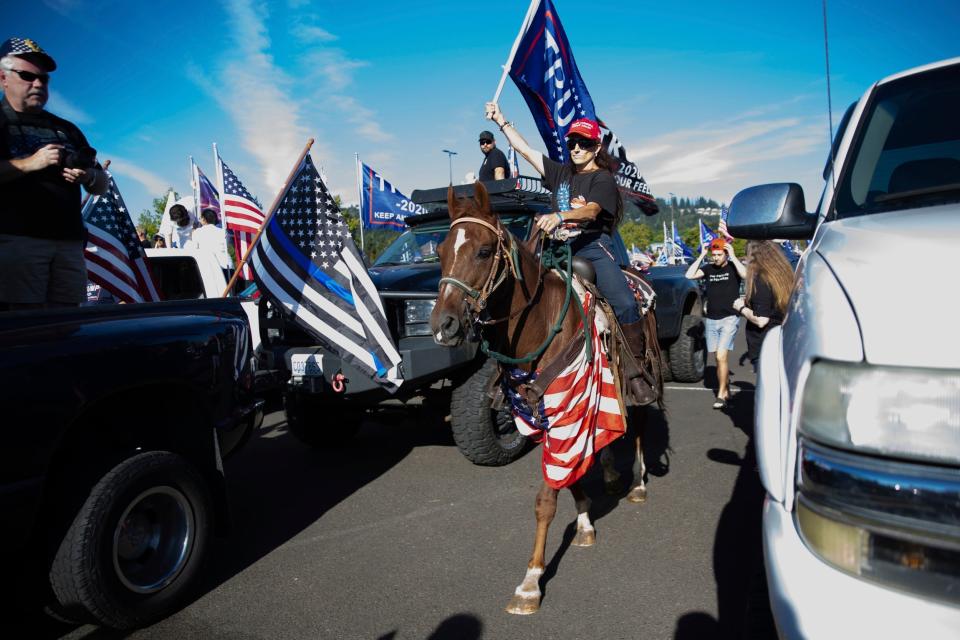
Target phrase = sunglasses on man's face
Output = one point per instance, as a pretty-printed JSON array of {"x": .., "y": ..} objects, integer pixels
[
  {"x": 486, "y": 142},
  {"x": 29, "y": 76},
  {"x": 583, "y": 143}
]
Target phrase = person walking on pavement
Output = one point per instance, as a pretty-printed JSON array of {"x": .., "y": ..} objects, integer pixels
[
  {"x": 722, "y": 278},
  {"x": 495, "y": 165},
  {"x": 769, "y": 282}
]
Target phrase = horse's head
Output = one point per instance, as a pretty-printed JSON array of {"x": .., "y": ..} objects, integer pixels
[{"x": 470, "y": 261}]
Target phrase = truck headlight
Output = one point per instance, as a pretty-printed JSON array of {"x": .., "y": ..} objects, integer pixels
[
  {"x": 416, "y": 317},
  {"x": 893, "y": 411},
  {"x": 877, "y": 480}
]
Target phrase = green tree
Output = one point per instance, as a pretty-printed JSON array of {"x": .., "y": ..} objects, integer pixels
[
  {"x": 149, "y": 219},
  {"x": 636, "y": 233}
]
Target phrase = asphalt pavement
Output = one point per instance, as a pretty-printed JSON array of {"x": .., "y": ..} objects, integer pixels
[{"x": 398, "y": 536}]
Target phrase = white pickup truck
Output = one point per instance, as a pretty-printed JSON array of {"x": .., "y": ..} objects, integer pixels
[
  {"x": 858, "y": 394},
  {"x": 188, "y": 274}
]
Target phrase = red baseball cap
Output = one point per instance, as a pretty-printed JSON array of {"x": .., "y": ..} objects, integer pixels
[
  {"x": 718, "y": 244},
  {"x": 585, "y": 128}
]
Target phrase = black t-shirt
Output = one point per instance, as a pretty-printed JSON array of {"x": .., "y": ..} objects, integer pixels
[
  {"x": 723, "y": 287},
  {"x": 493, "y": 160},
  {"x": 573, "y": 190},
  {"x": 40, "y": 204},
  {"x": 763, "y": 304}
]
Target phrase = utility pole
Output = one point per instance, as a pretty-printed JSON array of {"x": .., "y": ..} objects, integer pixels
[
  {"x": 450, "y": 155},
  {"x": 673, "y": 226}
]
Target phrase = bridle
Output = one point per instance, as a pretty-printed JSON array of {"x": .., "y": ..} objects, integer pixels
[{"x": 506, "y": 252}]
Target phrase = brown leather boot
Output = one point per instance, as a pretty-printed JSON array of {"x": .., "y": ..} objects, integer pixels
[{"x": 641, "y": 388}]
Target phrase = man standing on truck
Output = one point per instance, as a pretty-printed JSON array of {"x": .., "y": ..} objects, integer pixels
[
  {"x": 495, "y": 165},
  {"x": 43, "y": 161},
  {"x": 722, "y": 279}
]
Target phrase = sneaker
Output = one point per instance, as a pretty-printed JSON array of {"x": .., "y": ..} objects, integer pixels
[{"x": 720, "y": 403}]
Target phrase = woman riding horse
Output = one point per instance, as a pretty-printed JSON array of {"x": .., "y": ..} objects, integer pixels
[{"x": 584, "y": 192}]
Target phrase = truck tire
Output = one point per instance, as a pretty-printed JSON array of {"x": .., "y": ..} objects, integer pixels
[
  {"x": 484, "y": 436},
  {"x": 132, "y": 553},
  {"x": 688, "y": 353},
  {"x": 320, "y": 424}
]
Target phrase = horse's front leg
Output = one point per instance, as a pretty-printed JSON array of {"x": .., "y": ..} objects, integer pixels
[
  {"x": 586, "y": 535},
  {"x": 638, "y": 491},
  {"x": 526, "y": 597}
]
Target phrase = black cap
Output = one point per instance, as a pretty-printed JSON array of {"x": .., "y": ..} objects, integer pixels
[
  {"x": 28, "y": 49},
  {"x": 486, "y": 135}
]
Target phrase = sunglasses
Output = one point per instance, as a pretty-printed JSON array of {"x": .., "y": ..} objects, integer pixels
[
  {"x": 486, "y": 142},
  {"x": 29, "y": 76},
  {"x": 583, "y": 143}
]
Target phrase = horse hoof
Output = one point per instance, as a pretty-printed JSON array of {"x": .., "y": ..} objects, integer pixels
[
  {"x": 585, "y": 538},
  {"x": 637, "y": 495},
  {"x": 523, "y": 605}
]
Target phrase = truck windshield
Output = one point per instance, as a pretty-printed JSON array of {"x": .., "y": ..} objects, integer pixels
[
  {"x": 420, "y": 243},
  {"x": 907, "y": 152}
]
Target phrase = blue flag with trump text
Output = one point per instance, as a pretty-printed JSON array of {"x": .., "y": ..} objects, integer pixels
[
  {"x": 381, "y": 205},
  {"x": 706, "y": 235},
  {"x": 307, "y": 263},
  {"x": 545, "y": 72}
]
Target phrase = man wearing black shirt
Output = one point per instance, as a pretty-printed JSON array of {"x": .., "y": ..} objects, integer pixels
[
  {"x": 43, "y": 162},
  {"x": 495, "y": 165},
  {"x": 722, "y": 279}
]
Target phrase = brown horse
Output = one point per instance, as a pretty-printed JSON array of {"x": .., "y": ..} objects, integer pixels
[{"x": 494, "y": 285}]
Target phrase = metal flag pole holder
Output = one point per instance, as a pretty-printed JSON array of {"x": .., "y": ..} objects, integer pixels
[{"x": 269, "y": 216}]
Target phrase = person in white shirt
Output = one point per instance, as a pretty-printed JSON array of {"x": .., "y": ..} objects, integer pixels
[
  {"x": 178, "y": 223},
  {"x": 210, "y": 237}
]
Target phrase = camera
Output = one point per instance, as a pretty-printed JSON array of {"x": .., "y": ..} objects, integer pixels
[{"x": 82, "y": 158}]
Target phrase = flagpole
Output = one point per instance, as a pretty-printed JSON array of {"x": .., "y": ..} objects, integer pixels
[
  {"x": 527, "y": 19},
  {"x": 266, "y": 220},
  {"x": 218, "y": 176},
  {"x": 356, "y": 157}
]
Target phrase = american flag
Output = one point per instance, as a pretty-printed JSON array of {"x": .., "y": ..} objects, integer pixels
[
  {"x": 209, "y": 197},
  {"x": 722, "y": 227},
  {"x": 241, "y": 214},
  {"x": 306, "y": 261},
  {"x": 115, "y": 260},
  {"x": 580, "y": 412}
]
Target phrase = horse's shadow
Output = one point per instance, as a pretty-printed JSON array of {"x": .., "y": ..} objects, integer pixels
[{"x": 656, "y": 455}]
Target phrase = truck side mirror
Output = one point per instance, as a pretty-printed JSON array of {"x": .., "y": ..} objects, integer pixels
[{"x": 771, "y": 211}]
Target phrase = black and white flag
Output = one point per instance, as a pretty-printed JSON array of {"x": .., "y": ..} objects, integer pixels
[{"x": 307, "y": 262}]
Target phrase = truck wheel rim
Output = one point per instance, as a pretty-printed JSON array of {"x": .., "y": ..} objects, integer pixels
[{"x": 153, "y": 540}]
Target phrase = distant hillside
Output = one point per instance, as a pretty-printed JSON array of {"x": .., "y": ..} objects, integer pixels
[{"x": 685, "y": 212}]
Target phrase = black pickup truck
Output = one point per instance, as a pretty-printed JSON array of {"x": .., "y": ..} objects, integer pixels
[
  {"x": 116, "y": 420},
  {"x": 407, "y": 276}
]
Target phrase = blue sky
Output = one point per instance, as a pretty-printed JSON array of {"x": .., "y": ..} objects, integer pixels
[{"x": 707, "y": 97}]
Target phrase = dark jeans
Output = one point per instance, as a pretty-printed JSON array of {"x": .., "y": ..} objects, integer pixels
[{"x": 610, "y": 279}]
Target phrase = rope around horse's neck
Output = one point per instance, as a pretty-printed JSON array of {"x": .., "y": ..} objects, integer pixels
[{"x": 550, "y": 260}]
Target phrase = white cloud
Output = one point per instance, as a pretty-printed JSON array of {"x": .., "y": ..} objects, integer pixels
[
  {"x": 153, "y": 183},
  {"x": 307, "y": 33},
  {"x": 259, "y": 97},
  {"x": 333, "y": 66},
  {"x": 720, "y": 158},
  {"x": 364, "y": 119},
  {"x": 62, "y": 107}
]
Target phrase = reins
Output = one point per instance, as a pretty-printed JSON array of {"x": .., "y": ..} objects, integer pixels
[{"x": 560, "y": 258}]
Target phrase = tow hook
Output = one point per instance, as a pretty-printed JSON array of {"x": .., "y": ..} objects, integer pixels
[{"x": 338, "y": 383}]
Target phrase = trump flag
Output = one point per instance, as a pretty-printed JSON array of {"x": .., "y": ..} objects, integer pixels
[
  {"x": 545, "y": 72},
  {"x": 381, "y": 205}
]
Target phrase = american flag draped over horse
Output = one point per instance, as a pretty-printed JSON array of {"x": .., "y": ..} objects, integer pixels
[{"x": 579, "y": 413}]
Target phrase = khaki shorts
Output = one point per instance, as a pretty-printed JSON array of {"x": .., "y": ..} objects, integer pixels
[{"x": 38, "y": 270}]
